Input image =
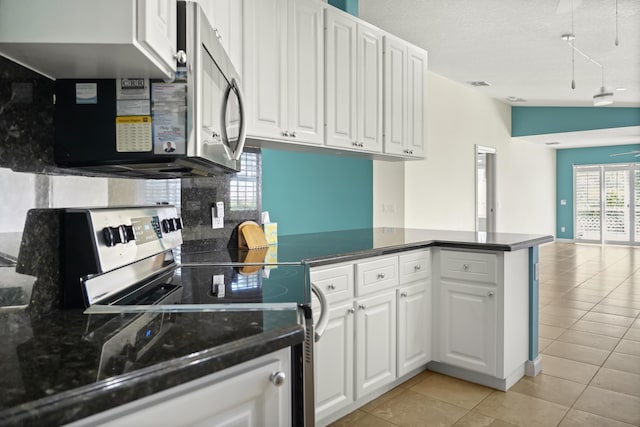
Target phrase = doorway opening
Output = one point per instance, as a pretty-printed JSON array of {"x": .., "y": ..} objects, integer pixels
[{"x": 485, "y": 161}]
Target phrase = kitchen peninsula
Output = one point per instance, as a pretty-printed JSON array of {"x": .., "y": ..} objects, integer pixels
[{"x": 53, "y": 384}]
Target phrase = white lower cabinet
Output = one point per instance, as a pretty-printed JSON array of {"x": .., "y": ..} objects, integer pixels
[
  {"x": 334, "y": 363},
  {"x": 255, "y": 393},
  {"x": 414, "y": 326},
  {"x": 375, "y": 342},
  {"x": 373, "y": 338},
  {"x": 468, "y": 326}
]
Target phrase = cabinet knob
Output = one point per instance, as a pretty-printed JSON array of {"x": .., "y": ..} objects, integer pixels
[
  {"x": 465, "y": 267},
  {"x": 362, "y": 307},
  {"x": 490, "y": 293},
  {"x": 332, "y": 286},
  {"x": 410, "y": 151},
  {"x": 293, "y": 134},
  {"x": 180, "y": 57},
  {"x": 403, "y": 294},
  {"x": 278, "y": 378},
  {"x": 217, "y": 33},
  {"x": 351, "y": 310},
  {"x": 381, "y": 276},
  {"x": 285, "y": 133},
  {"x": 417, "y": 267}
]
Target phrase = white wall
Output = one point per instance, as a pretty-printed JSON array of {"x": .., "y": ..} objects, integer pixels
[
  {"x": 388, "y": 194},
  {"x": 439, "y": 192}
]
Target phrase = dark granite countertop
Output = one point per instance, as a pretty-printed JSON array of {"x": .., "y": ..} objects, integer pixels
[
  {"x": 348, "y": 245},
  {"x": 57, "y": 368}
]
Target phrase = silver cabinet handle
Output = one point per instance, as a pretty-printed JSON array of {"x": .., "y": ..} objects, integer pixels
[
  {"x": 332, "y": 286},
  {"x": 465, "y": 267},
  {"x": 278, "y": 378},
  {"x": 285, "y": 133},
  {"x": 293, "y": 134},
  {"x": 490, "y": 293},
  {"x": 362, "y": 307},
  {"x": 323, "y": 321},
  {"x": 381, "y": 276},
  {"x": 417, "y": 267},
  {"x": 351, "y": 310},
  {"x": 403, "y": 294}
]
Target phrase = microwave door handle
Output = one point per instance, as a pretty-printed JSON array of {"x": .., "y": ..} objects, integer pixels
[
  {"x": 242, "y": 135},
  {"x": 323, "y": 321},
  {"x": 233, "y": 155}
]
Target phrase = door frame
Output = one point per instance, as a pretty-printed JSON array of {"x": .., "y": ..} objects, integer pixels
[{"x": 490, "y": 171}]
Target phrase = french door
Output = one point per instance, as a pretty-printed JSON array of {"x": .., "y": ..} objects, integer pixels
[{"x": 607, "y": 203}]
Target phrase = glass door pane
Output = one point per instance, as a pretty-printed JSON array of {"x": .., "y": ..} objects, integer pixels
[
  {"x": 616, "y": 206},
  {"x": 587, "y": 204}
]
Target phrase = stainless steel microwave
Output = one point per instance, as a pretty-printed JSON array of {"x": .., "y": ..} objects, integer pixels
[{"x": 191, "y": 126}]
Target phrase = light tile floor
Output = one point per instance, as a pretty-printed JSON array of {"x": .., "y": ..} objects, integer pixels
[{"x": 590, "y": 350}]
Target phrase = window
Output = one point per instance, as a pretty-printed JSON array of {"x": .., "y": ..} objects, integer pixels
[
  {"x": 243, "y": 188},
  {"x": 162, "y": 191}
]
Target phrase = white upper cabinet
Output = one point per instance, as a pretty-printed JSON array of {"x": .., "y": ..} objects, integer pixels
[
  {"x": 369, "y": 94},
  {"x": 341, "y": 79},
  {"x": 405, "y": 85},
  {"x": 283, "y": 70},
  {"x": 354, "y": 83},
  {"x": 417, "y": 101},
  {"x": 226, "y": 17},
  {"x": 91, "y": 38}
]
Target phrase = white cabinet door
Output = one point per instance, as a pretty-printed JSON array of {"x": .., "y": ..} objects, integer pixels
[
  {"x": 414, "y": 327},
  {"x": 417, "y": 101},
  {"x": 375, "y": 342},
  {"x": 340, "y": 76},
  {"x": 405, "y": 85},
  {"x": 265, "y": 67},
  {"x": 157, "y": 20},
  {"x": 468, "y": 315},
  {"x": 242, "y": 396},
  {"x": 306, "y": 77},
  {"x": 334, "y": 362},
  {"x": 369, "y": 94},
  {"x": 226, "y": 17},
  {"x": 395, "y": 91}
]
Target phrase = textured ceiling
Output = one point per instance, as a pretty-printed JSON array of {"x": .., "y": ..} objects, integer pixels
[{"x": 516, "y": 45}]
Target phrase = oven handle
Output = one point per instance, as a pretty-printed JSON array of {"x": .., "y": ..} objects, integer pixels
[
  {"x": 323, "y": 321},
  {"x": 242, "y": 134}
]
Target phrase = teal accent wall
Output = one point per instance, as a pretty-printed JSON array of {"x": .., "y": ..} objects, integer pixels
[
  {"x": 542, "y": 120},
  {"x": 565, "y": 160},
  {"x": 349, "y": 6},
  {"x": 308, "y": 193}
]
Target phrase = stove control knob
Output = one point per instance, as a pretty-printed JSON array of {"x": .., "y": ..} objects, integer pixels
[
  {"x": 165, "y": 225},
  {"x": 113, "y": 235},
  {"x": 129, "y": 233},
  {"x": 178, "y": 222}
]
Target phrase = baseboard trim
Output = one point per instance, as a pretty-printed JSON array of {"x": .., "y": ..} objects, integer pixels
[{"x": 533, "y": 367}]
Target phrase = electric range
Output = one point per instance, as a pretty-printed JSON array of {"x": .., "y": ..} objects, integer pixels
[{"x": 123, "y": 261}]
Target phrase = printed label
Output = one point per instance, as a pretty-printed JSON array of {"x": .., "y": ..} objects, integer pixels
[{"x": 133, "y": 134}]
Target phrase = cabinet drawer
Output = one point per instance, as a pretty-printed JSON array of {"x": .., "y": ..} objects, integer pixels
[
  {"x": 471, "y": 266},
  {"x": 376, "y": 275},
  {"x": 414, "y": 266},
  {"x": 336, "y": 282}
]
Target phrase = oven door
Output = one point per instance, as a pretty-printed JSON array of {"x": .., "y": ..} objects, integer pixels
[{"x": 214, "y": 96}]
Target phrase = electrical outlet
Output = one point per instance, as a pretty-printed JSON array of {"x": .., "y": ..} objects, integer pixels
[
  {"x": 217, "y": 222},
  {"x": 220, "y": 209}
]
